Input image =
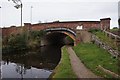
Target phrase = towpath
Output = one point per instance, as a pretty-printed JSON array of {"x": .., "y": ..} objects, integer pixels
[{"x": 78, "y": 67}]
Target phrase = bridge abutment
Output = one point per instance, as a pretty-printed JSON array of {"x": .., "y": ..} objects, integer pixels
[{"x": 83, "y": 36}]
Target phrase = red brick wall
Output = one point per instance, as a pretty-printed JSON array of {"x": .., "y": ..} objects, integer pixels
[
  {"x": 72, "y": 25},
  {"x": 102, "y": 24},
  {"x": 89, "y": 25},
  {"x": 48, "y": 25},
  {"x": 10, "y": 30},
  {"x": 105, "y": 24}
]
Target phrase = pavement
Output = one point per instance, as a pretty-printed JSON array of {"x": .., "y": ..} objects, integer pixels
[{"x": 78, "y": 67}]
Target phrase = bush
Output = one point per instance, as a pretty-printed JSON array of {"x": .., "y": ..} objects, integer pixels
[
  {"x": 17, "y": 42},
  {"x": 36, "y": 34},
  {"x": 115, "y": 27},
  {"x": 35, "y": 39},
  {"x": 93, "y": 30},
  {"x": 70, "y": 40},
  {"x": 23, "y": 41}
]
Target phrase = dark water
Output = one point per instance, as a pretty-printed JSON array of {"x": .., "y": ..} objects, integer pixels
[{"x": 31, "y": 64}]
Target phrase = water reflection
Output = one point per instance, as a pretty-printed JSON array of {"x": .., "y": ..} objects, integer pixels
[{"x": 31, "y": 64}]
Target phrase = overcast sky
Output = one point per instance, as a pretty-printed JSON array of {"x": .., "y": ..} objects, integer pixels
[{"x": 62, "y": 10}]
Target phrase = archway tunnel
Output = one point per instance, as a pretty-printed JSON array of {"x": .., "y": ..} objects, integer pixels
[{"x": 57, "y": 38}]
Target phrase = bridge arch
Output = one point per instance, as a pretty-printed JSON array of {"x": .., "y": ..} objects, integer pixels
[
  {"x": 67, "y": 31},
  {"x": 57, "y": 35}
]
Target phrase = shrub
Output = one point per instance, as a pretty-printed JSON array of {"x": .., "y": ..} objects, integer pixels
[
  {"x": 22, "y": 41},
  {"x": 70, "y": 40},
  {"x": 115, "y": 27},
  {"x": 17, "y": 42},
  {"x": 36, "y": 34},
  {"x": 93, "y": 30}
]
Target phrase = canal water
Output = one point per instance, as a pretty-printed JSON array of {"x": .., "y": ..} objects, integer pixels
[{"x": 38, "y": 64}]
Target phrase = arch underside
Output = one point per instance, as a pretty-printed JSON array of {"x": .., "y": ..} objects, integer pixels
[
  {"x": 70, "y": 35},
  {"x": 66, "y": 31}
]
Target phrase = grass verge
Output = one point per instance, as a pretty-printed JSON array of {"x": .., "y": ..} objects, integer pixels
[
  {"x": 106, "y": 39},
  {"x": 92, "y": 56},
  {"x": 64, "y": 69}
]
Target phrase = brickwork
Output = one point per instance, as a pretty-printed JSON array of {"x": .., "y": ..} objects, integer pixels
[
  {"x": 105, "y": 24},
  {"x": 11, "y": 30},
  {"x": 102, "y": 24}
]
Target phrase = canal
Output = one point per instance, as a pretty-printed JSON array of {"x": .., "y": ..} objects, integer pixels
[{"x": 38, "y": 64}]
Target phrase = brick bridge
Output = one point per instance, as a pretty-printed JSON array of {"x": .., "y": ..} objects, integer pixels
[{"x": 70, "y": 28}]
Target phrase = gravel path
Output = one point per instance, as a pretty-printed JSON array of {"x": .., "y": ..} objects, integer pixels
[{"x": 78, "y": 67}]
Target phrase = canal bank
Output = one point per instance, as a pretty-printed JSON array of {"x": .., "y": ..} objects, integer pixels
[
  {"x": 90, "y": 58},
  {"x": 93, "y": 57},
  {"x": 71, "y": 67},
  {"x": 64, "y": 68},
  {"x": 78, "y": 67}
]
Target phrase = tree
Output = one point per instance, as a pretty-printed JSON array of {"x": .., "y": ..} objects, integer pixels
[{"x": 119, "y": 22}]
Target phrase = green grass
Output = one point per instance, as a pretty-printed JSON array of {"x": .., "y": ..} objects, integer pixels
[
  {"x": 106, "y": 39},
  {"x": 64, "y": 69},
  {"x": 92, "y": 56}
]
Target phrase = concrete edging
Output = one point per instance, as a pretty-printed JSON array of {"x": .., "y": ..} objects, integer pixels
[{"x": 108, "y": 72}]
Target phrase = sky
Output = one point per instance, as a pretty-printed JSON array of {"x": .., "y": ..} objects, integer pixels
[{"x": 62, "y": 10}]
